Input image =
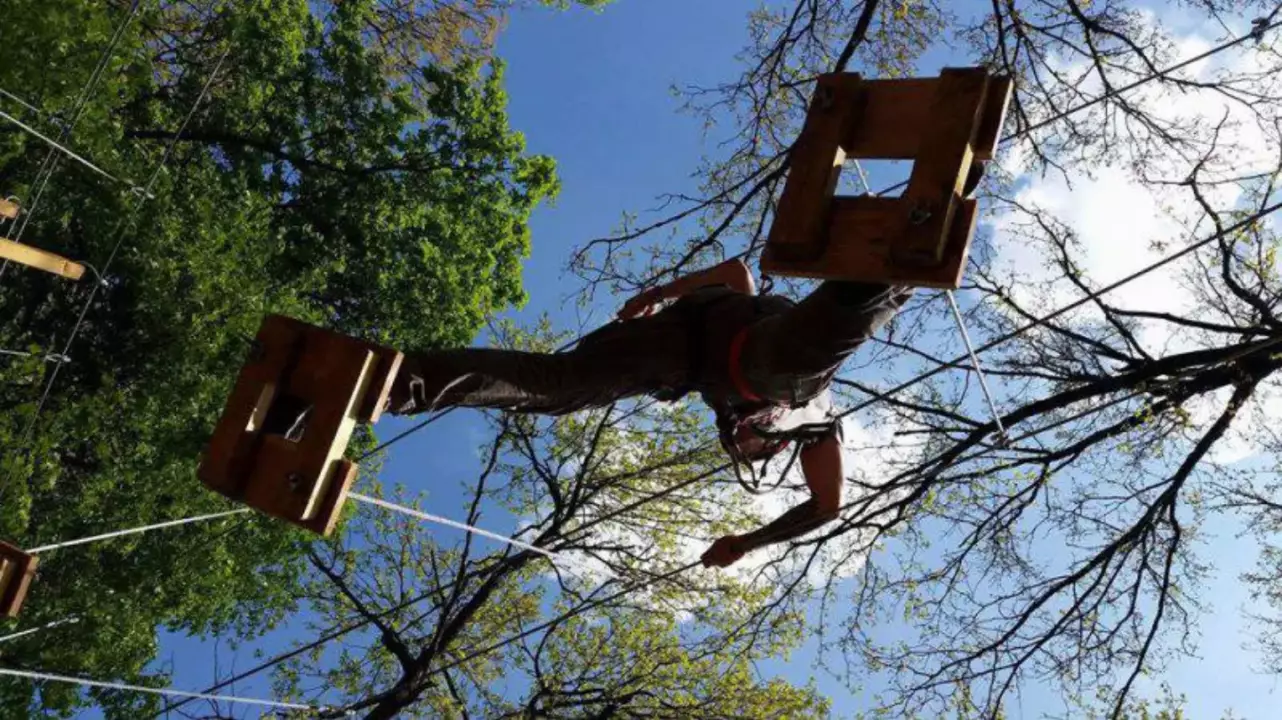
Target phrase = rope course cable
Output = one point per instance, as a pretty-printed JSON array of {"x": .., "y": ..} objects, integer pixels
[
  {"x": 66, "y": 151},
  {"x": 47, "y": 626},
  {"x": 974, "y": 362},
  {"x": 449, "y": 523},
  {"x": 48, "y": 357},
  {"x": 49, "y": 164},
  {"x": 20, "y": 101},
  {"x": 136, "y": 531},
  {"x": 120, "y": 233},
  {"x": 50, "y": 677},
  {"x": 961, "y": 328},
  {"x": 402, "y": 435}
]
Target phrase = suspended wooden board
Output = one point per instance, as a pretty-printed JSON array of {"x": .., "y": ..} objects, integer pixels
[
  {"x": 345, "y": 381},
  {"x": 945, "y": 125},
  {"x": 41, "y": 260},
  {"x": 17, "y": 570},
  {"x": 8, "y": 209}
]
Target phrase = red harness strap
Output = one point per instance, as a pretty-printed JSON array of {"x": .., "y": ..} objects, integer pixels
[{"x": 736, "y": 369}]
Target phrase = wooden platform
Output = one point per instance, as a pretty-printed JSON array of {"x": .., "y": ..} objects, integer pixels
[
  {"x": 17, "y": 570},
  {"x": 945, "y": 125},
  {"x": 345, "y": 381}
]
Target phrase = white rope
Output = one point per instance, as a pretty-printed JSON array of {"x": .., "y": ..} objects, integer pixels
[
  {"x": 120, "y": 233},
  {"x": 961, "y": 325},
  {"x": 451, "y": 523},
  {"x": 48, "y": 357},
  {"x": 50, "y": 677},
  {"x": 979, "y": 369},
  {"x": 65, "y": 150},
  {"x": 65, "y": 621},
  {"x": 47, "y": 167},
  {"x": 20, "y": 101},
  {"x": 863, "y": 177},
  {"x": 137, "y": 530}
]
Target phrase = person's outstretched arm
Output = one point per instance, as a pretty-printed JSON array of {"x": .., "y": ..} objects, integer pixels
[
  {"x": 732, "y": 273},
  {"x": 821, "y": 464}
]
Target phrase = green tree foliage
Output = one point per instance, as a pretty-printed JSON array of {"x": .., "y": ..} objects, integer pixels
[
  {"x": 446, "y": 31},
  {"x": 310, "y": 182}
]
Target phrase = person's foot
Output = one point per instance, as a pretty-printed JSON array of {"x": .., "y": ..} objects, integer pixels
[
  {"x": 423, "y": 385},
  {"x": 405, "y": 395}
]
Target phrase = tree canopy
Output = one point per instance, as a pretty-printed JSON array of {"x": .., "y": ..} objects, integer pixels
[
  {"x": 430, "y": 611},
  {"x": 310, "y": 181}
]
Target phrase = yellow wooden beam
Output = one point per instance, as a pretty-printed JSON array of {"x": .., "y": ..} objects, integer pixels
[
  {"x": 8, "y": 209},
  {"x": 41, "y": 260}
]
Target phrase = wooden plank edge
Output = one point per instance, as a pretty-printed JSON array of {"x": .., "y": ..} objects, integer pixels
[{"x": 33, "y": 257}]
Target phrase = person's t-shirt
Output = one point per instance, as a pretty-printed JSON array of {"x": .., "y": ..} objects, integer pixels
[{"x": 819, "y": 411}]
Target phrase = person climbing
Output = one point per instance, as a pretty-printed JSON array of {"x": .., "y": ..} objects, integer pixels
[{"x": 762, "y": 363}]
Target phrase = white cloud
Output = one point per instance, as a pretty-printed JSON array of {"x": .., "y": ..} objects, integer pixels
[
  {"x": 1123, "y": 221},
  {"x": 1253, "y": 426}
]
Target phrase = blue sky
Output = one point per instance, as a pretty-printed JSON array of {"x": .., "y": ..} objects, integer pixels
[{"x": 592, "y": 90}]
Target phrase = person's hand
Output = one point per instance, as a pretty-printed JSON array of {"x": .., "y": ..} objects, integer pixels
[
  {"x": 642, "y": 304},
  {"x": 724, "y": 552}
]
